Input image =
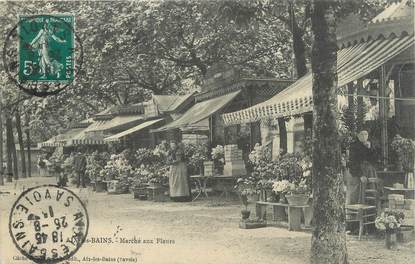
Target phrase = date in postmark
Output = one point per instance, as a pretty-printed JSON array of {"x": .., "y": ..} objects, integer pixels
[{"x": 48, "y": 224}]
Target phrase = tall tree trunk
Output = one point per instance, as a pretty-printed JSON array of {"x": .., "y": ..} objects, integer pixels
[
  {"x": 14, "y": 153},
  {"x": 1, "y": 141},
  {"x": 298, "y": 43},
  {"x": 282, "y": 127},
  {"x": 21, "y": 145},
  {"x": 28, "y": 142},
  {"x": 328, "y": 244},
  {"x": 9, "y": 136}
]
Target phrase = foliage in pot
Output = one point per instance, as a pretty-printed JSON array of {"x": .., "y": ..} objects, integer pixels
[
  {"x": 405, "y": 150},
  {"x": 96, "y": 162},
  {"x": 194, "y": 155},
  {"x": 389, "y": 222},
  {"x": 296, "y": 194},
  {"x": 218, "y": 157}
]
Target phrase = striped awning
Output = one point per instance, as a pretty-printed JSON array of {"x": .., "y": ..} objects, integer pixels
[
  {"x": 200, "y": 111},
  {"x": 352, "y": 63},
  {"x": 144, "y": 125},
  {"x": 52, "y": 142},
  {"x": 118, "y": 122}
]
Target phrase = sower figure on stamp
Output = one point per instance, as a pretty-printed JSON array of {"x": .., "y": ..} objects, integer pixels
[
  {"x": 41, "y": 43},
  {"x": 80, "y": 167},
  {"x": 363, "y": 157}
]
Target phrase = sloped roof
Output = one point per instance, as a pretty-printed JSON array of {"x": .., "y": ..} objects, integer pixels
[
  {"x": 169, "y": 103},
  {"x": 397, "y": 19},
  {"x": 395, "y": 11}
]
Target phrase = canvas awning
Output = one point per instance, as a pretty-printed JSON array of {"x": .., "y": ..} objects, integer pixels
[
  {"x": 200, "y": 111},
  {"x": 115, "y": 123},
  {"x": 86, "y": 139},
  {"x": 352, "y": 63},
  {"x": 144, "y": 125},
  {"x": 61, "y": 139},
  {"x": 52, "y": 142}
]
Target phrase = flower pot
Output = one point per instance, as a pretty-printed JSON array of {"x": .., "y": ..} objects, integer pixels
[
  {"x": 282, "y": 198},
  {"x": 245, "y": 214},
  {"x": 390, "y": 239},
  {"x": 100, "y": 186},
  {"x": 297, "y": 199}
]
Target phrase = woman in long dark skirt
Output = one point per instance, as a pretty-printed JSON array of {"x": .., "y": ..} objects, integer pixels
[{"x": 179, "y": 183}]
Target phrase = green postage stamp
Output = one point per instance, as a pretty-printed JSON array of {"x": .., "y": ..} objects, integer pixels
[{"x": 46, "y": 48}]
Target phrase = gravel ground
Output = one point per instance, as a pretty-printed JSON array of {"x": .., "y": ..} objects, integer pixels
[{"x": 198, "y": 232}]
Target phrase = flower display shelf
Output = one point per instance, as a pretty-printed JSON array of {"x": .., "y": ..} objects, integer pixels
[
  {"x": 405, "y": 234},
  {"x": 140, "y": 193},
  {"x": 297, "y": 199},
  {"x": 100, "y": 186},
  {"x": 115, "y": 187}
]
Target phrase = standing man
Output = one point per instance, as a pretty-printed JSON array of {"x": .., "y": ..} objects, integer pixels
[
  {"x": 363, "y": 158},
  {"x": 80, "y": 167}
]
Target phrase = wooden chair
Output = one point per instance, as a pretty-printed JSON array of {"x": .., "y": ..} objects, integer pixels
[
  {"x": 372, "y": 192},
  {"x": 361, "y": 213},
  {"x": 365, "y": 211}
]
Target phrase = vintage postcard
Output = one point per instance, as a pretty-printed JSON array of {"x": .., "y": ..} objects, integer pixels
[{"x": 199, "y": 132}]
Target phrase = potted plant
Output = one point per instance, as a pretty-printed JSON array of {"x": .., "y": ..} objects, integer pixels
[
  {"x": 405, "y": 150},
  {"x": 389, "y": 222},
  {"x": 245, "y": 213},
  {"x": 195, "y": 155},
  {"x": 296, "y": 194},
  {"x": 218, "y": 156},
  {"x": 246, "y": 188},
  {"x": 281, "y": 187}
]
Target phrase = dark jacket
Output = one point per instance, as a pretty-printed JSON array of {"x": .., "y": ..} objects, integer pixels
[
  {"x": 80, "y": 163},
  {"x": 359, "y": 153}
]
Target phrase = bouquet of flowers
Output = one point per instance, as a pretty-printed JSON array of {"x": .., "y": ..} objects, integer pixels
[
  {"x": 95, "y": 163},
  {"x": 405, "y": 150},
  {"x": 218, "y": 153},
  {"x": 287, "y": 187},
  {"x": 195, "y": 154},
  {"x": 282, "y": 186},
  {"x": 389, "y": 221},
  {"x": 246, "y": 186}
]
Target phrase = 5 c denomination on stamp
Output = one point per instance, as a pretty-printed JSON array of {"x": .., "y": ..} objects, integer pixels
[
  {"x": 42, "y": 54},
  {"x": 48, "y": 224}
]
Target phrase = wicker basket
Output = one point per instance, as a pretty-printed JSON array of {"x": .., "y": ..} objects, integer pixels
[{"x": 297, "y": 199}]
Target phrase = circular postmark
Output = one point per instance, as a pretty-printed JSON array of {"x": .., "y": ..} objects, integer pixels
[
  {"x": 48, "y": 224},
  {"x": 42, "y": 55}
]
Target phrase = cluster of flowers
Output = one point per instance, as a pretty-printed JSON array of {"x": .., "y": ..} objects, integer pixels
[
  {"x": 246, "y": 186},
  {"x": 194, "y": 155},
  {"x": 288, "y": 173},
  {"x": 218, "y": 153},
  {"x": 286, "y": 187},
  {"x": 405, "y": 150},
  {"x": 389, "y": 220}
]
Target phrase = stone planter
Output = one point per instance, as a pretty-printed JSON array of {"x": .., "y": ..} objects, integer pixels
[{"x": 297, "y": 199}]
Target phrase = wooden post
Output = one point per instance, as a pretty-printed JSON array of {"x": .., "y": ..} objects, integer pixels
[{"x": 383, "y": 114}]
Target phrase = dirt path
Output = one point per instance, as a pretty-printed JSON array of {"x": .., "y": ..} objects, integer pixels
[{"x": 200, "y": 232}]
